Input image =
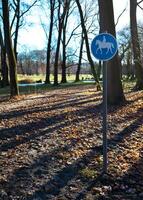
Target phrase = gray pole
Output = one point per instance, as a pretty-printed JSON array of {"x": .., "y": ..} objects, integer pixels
[{"x": 105, "y": 117}]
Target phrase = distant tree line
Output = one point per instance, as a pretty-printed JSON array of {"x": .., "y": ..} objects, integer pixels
[{"x": 34, "y": 62}]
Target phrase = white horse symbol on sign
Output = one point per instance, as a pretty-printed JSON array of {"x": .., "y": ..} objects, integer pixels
[{"x": 104, "y": 45}]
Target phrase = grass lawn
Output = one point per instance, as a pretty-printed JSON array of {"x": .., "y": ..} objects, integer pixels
[
  {"x": 39, "y": 88},
  {"x": 34, "y": 78}
]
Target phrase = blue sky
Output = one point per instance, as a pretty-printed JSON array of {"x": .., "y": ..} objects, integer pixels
[{"x": 34, "y": 37}]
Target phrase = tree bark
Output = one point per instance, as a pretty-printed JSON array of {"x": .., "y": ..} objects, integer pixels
[
  {"x": 80, "y": 58},
  {"x": 115, "y": 93},
  {"x": 87, "y": 44},
  {"x": 60, "y": 27},
  {"x": 99, "y": 69},
  {"x": 17, "y": 27},
  {"x": 4, "y": 66},
  {"x": 57, "y": 55},
  {"x": 128, "y": 66},
  {"x": 52, "y": 7},
  {"x": 64, "y": 79},
  {"x": 9, "y": 49},
  {"x": 136, "y": 45}
]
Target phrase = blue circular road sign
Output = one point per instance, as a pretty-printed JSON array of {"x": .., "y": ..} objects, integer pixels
[{"x": 104, "y": 46}]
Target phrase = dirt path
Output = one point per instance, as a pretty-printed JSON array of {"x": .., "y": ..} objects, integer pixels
[{"x": 51, "y": 147}]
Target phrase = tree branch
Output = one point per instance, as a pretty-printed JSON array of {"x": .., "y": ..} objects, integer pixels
[
  {"x": 15, "y": 2},
  {"x": 140, "y": 7},
  {"x": 29, "y": 8},
  {"x": 139, "y": 2},
  {"x": 13, "y": 20},
  {"x": 72, "y": 33},
  {"x": 120, "y": 16}
]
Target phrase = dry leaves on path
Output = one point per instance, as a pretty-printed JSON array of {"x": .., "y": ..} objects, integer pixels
[{"x": 51, "y": 146}]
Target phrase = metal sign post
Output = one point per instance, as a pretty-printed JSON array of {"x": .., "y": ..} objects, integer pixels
[
  {"x": 104, "y": 48},
  {"x": 105, "y": 159}
]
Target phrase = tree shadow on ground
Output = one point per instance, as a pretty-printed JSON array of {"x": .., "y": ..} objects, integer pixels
[
  {"x": 45, "y": 107},
  {"x": 56, "y": 121},
  {"x": 25, "y": 179},
  {"x": 53, "y": 187},
  {"x": 49, "y": 93},
  {"x": 53, "y": 123},
  {"x": 128, "y": 186}
]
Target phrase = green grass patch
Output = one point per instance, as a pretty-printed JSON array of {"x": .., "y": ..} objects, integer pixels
[
  {"x": 31, "y": 89},
  {"x": 35, "y": 77},
  {"x": 46, "y": 87},
  {"x": 127, "y": 85},
  {"x": 89, "y": 173},
  {"x": 31, "y": 78}
]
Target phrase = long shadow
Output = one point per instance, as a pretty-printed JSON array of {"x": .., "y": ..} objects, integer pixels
[
  {"x": 60, "y": 105},
  {"x": 133, "y": 177},
  {"x": 38, "y": 167},
  {"x": 129, "y": 117},
  {"x": 130, "y": 185},
  {"x": 132, "y": 180},
  {"x": 127, "y": 131},
  {"x": 33, "y": 128},
  {"x": 69, "y": 172},
  {"x": 42, "y": 123},
  {"x": 135, "y": 98},
  {"x": 49, "y": 121},
  {"x": 41, "y": 168},
  {"x": 66, "y": 174},
  {"x": 126, "y": 116},
  {"x": 5, "y": 98}
]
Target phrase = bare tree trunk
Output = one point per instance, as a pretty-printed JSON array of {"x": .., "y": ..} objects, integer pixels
[
  {"x": 57, "y": 55},
  {"x": 128, "y": 68},
  {"x": 64, "y": 79},
  {"x": 136, "y": 45},
  {"x": 114, "y": 84},
  {"x": 4, "y": 66},
  {"x": 80, "y": 58},
  {"x": 9, "y": 49},
  {"x": 17, "y": 27},
  {"x": 87, "y": 44},
  {"x": 21, "y": 67},
  {"x": 52, "y": 7},
  {"x": 60, "y": 27},
  {"x": 99, "y": 70}
]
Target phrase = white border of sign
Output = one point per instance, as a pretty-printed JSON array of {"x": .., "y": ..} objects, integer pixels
[{"x": 115, "y": 51}]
